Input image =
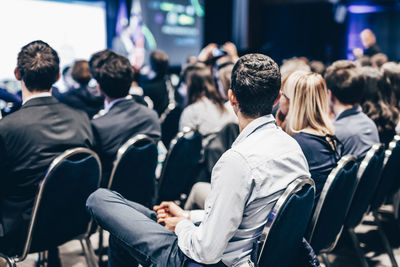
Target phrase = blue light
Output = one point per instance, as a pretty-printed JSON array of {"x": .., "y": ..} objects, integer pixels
[{"x": 363, "y": 9}]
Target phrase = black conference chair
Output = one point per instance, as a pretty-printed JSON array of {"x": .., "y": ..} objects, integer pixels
[
  {"x": 133, "y": 173},
  {"x": 330, "y": 212},
  {"x": 181, "y": 165},
  {"x": 286, "y": 225},
  {"x": 368, "y": 177},
  {"x": 169, "y": 120},
  {"x": 387, "y": 183},
  {"x": 59, "y": 212}
]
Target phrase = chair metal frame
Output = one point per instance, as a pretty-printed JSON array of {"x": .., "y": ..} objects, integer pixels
[
  {"x": 84, "y": 239},
  {"x": 292, "y": 188},
  {"x": 185, "y": 131},
  {"x": 364, "y": 164},
  {"x": 377, "y": 216},
  {"x": 121, "y": 152},
  {"x": 314, "y": 220}
]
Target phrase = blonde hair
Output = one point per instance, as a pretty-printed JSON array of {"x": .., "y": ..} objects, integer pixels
[{"x": 308, "y": 103}]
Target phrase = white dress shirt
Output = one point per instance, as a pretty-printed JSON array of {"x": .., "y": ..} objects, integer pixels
[
  {"x": 44, "y": 94},
  {"x": 245, "y": 184}
]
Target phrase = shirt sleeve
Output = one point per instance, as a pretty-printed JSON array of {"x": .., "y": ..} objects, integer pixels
[{"x": 230, "y": 190}]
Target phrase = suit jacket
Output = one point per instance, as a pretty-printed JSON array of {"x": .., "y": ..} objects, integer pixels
[
  {"x": 156, "y": 89},
  {"x": 29, "y": 140},
  {"x": 82, "y": 99},
  {"x": 124, "y": 120}
]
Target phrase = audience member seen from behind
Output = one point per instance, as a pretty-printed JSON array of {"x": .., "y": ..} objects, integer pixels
[
  {"x": 391, "y": 83},
  {"x": 31, "y": 138},
  {"x": 82, "y": 98},
  {"x": 355, "y": 130},
  {"x": 309, "y": 124},
  {"x": 377, "y": 108},
  {"x": 378, "y": 60},
  {"x": 206, "y": 110},
  {"x": 246, "y": 183},
  {"x": 123, "y": 117},
  {"x": 155, "y": 86}
]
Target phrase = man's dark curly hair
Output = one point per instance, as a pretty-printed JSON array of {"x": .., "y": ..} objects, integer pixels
[
  {"x": 256, "y": 81},
  {"x": 38, "y": 65},
  {"x": 113, "y": 72}
]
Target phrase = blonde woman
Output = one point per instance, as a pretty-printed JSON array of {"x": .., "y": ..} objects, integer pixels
[{"x": 304, "y": 101}]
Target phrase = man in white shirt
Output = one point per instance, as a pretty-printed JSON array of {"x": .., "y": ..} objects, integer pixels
[{"x": 246, "y": 182}]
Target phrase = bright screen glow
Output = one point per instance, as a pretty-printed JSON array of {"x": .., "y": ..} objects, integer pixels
[{"x": 75, "y": 30}]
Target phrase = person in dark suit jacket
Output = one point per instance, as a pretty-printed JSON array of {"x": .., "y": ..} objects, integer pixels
[
  {"x": 122, "y": 117},
  {"x": 31, "y": 138},
  {"x": 81, "y": 98},
  {"x": 156, "y": 88}
]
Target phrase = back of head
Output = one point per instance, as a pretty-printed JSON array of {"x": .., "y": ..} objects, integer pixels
[
  {"x": 294, "y": 64},
  {"x": 81, "y": 72},
  {"x": 113, "y": 72},
  {"x": 255, "y": 82},
  {"x": 200, "y": 82},
  {"x": 38, "y": 66},
  {"x": 378, "y": 60},
  {"x": 345, "y": 81},
  {"x": 363, "y": 61},
  {"x": 372, "y": 85},
  {"x": 317, "y": 67},
  {"x": 159, "y": 63},
  {"x": 308, "y": 103},
  {"x": 391, "y": 81},
  {"x": 224, "y": 76}
]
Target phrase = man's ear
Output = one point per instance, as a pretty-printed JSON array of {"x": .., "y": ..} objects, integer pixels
[
  {"x": 17, "y": 74},
  {"x": 232, "y": 98},
  {"x": 58, "y": 76},
  {"x": 331, "y": 96}
]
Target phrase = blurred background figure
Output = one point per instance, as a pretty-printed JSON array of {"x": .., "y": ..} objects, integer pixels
[
  {"x": 82, "y": 96},
  {"x": 368, "y": 40}
]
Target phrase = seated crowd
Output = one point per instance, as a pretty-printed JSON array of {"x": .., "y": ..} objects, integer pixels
[{"x": 321, "y": 115}]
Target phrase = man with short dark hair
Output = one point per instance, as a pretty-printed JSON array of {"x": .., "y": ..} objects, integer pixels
[
  {"x": 156, "y": 87},
  {"x": 31, "y": 138},
  {"x": 246, "y": 182},
  {"x": 353, "y": 128},
  {"x": 122, "y": 117}
]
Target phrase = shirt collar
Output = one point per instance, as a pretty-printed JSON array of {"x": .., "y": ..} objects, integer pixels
[
  {"x": 348, "y": 112},
  {"x": 44, "y": 94},
  {"x": 253, "y": 126},
  {"x": 109, "y": 105}
]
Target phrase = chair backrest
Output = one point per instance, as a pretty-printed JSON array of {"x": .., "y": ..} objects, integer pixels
[
  {"x": 390, "y": 181},
  {"x": 368, "y": 177},
  {"x": 133, "y": 173},
  {"x": 287, "y": 224},
  {"x": 170, "y": 123},
  {"x": 333, "y": 204},
  {"x": 181, "y": 165},
  {"x": 59, "y": 213}
]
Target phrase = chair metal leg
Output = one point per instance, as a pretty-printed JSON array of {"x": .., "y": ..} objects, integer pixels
[
  {"x": 101, "y": 246},
  {"x": 10, "y": 261},
  {"x": 356, "y": 245},
  {"x": 43, "y": 258},
  {"x": 88, "y": 252},
  {"x": 325, "y": 259},
  {"x": 384, "y": 239}
]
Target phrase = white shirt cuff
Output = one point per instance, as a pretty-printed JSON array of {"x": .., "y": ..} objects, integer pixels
[
  {"x": 182, "y": 225},
  {"x": 196, "y": 216}
]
